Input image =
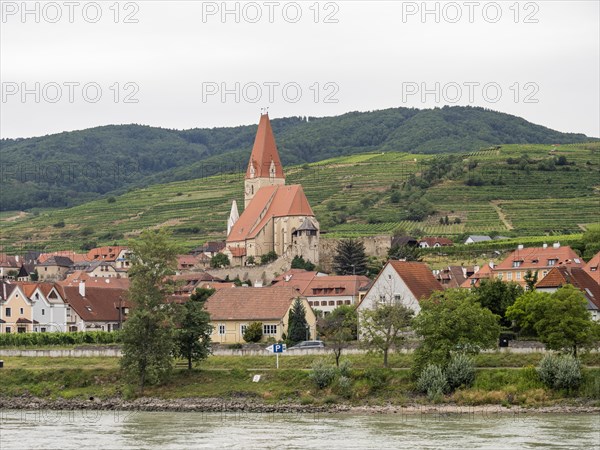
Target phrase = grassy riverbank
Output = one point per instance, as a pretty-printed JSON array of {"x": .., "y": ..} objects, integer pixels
[{"x": 227, "y": 378}]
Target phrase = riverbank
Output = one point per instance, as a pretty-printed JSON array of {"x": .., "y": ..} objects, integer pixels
[
  {"x": 226, "y": 384},
  {"x": 219, "y": 405}
]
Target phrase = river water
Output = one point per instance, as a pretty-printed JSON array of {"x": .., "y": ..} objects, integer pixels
[{"x": 45, "y": 429}]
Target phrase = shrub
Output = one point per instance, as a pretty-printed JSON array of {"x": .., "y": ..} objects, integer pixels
[
  {"x": 254, "y": 332},
  {"x": 460, "y": 371},
  {"x": 432, "y": 382},
  {"x": 345, "y": 368},
  {"x": 344, "y": 386},
  {"x": 322, "y": 374},
  {"x": 560, "y": 372},
  {"x": 377, "y": 377}
]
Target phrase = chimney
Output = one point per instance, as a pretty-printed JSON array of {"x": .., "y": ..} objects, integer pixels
[
  {"x": 556, "y": 245},
  {"x": 545, "y": 246},
  {"x": 258, "y": 283},
  {"x": 520, "y": 247},
  {"x": 17, "y": 258},
  {"x": 82, "y": 288},
  {"x": 4, "y": 289}
]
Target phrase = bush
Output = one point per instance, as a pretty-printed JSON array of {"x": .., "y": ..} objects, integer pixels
[
  {"x": 560, "y": 372},
  {"x": 460, "y": 371},
  {"x": 377, "y": 377},
  {"x": 59, "y": 338},
  {"x": 432, "y": 382},
  {"x": 344, "y": 386},
  {"x": 254, "y": 332},
  {"x": 345, "y": 368},
  {"x": 322, "y": 374}
]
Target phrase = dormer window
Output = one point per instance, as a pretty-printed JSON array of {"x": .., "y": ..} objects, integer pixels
[
  {"x": 552, "y": 262},
  {"x": 272, "y": 169},
  {"x": 517, "y": 263}
]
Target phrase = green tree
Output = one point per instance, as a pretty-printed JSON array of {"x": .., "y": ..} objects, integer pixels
[
  {"x": 406, "y": 252},
  {"x": 339, "y": 329},
  {"x": 591, "y": 241},
  {"x": 268, "y": 257},
  {"x": 298, "y": 262},
  {"x": 148, "y": 332},
  {"x": 453, "y": 321},
  {"x": 192, "y": 338},
  {"x": 254, "y": 332},
  {"x": 531, "y": 279},
  {"x": 219, "y": 260},
  {"x": 350, "y": 258},
  {"x": 384, "y": 327},
  {"x": 560, "y": 320},
  {"x": 34, "y": 275},
  {"x": 497, "y": 296},
  {"x": 297, "y": 324}
]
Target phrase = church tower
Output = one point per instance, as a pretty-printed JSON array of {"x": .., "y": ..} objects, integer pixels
[{"x": 264, "y": 167}]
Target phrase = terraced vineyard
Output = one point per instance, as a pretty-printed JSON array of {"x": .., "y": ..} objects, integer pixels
[{"x": 351, "y": 196}]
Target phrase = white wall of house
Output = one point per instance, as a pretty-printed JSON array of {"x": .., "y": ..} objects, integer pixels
[
  {"x": 390, "y": 288},
  {"x": 51, "y": 315}
]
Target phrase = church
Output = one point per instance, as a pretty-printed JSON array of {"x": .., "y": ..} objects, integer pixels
[{"x": 276, "y": 217}]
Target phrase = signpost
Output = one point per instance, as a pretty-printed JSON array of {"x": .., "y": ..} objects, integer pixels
[{"x": 277, "y": 349}]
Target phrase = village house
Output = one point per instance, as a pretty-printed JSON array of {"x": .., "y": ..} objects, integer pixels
[
  {"x": 324, "y": 292},
  {"x": 577, "y": 277},
  {"x": 210, "y": 248},
  {"x": 99, "y": 268},
  {"x": 486, "y": 272},
  {"x": 48, "y": 307},
  {"x": 538, "y": 260},
  {"x": 277, "y": 217},
  {"x": 16, "y": 312},
  {"x": 434, "y": 242},
  {"x": 474, "y": 239},
  {"x": 186, "y": 284},
  {"x": 53, "y": 268},
  {"x": 401, "y": 282},
  {"x": 94, "y": 308},
  {"x": 9, "y": 266},
  {"x": 233, "y": 309},
  {"x": 454, "y": 276},
  {"x": 593, "y": 267},
  {"x": 74, "y": 278}
]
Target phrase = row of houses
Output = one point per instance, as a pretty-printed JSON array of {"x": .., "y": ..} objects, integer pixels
[
  {"x": 59, "y": 307},
  {"x": 83, "y": 302}
]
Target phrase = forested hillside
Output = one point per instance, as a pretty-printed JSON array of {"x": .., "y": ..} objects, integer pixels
[{"x": 70, "y": 168}]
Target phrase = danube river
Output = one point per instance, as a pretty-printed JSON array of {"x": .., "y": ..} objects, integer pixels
[{"x": 45, "y": 429}]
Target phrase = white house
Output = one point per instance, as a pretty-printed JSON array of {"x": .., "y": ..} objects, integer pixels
[
  {"x": 401, "y": 282},
  {"x": 49, "y": 309}
]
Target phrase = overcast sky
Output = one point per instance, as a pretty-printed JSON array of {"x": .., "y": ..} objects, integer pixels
[{"x": 185, "y": 64}]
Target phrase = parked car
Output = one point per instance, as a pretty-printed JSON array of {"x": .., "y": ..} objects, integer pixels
[{"x": 307, "y": 345}]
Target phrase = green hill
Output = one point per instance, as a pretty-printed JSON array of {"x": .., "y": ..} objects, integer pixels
[
  {"x": 71, "y": 168},
  {"x": 514, "y": 190}
]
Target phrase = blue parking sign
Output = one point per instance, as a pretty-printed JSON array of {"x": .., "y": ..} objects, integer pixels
[{"x": 277, "y": 348}]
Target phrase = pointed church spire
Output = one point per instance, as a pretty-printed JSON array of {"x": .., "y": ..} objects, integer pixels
[
  {"x": 264, "y": 160},
  {"x": 234, "y": 215}
]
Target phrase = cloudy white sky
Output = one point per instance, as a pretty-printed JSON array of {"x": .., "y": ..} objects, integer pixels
[{"x": 168, "y": 64}]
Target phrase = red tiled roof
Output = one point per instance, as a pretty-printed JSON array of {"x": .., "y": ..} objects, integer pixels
[
  {"x": 108, "y": 253},
  {"x": 576, "y": 276},
  {"x": 483, "y": 273},
  {"x": 99, "y": 304},
  {"x": 267, "y": 203},
  {"x": 593, "y": 267},
  {"x": 249, "y": 303},
  {"x": 344, "y": 284},
  {"x": 264, "y": 151},
  {"x": 75, "y": 257},
  {"x": 74, "y": 278},
  {"x": 535, "y": 258},
  {"x": 431, "y": 241},
  {"x": 417, "y": 277}
]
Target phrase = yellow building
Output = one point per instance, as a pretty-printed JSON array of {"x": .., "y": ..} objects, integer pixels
[
  {"x": 233, "y": 309},
  {"x": 16, "y": 313}
]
